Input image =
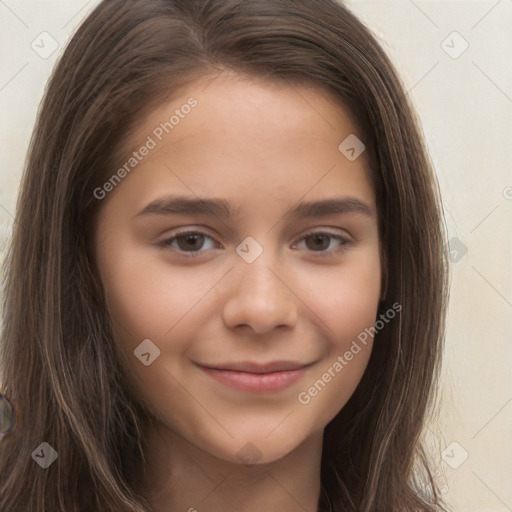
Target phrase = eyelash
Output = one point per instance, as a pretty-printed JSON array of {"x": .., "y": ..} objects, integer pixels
[{"x": 166, "y": 244}]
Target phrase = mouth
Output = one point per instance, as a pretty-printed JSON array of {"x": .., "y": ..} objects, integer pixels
[{"x": 257, "y": 378}]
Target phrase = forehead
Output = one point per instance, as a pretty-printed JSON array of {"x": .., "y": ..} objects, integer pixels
[
  {"x": 245, "y": 136},
  {"x": 235, "y": 106}
]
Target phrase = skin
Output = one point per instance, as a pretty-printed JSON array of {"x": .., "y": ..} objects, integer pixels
[{"x": 263, "y": 148}]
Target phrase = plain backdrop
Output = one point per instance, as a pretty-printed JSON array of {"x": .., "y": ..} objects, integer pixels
[{"x": 454, "y": 58}]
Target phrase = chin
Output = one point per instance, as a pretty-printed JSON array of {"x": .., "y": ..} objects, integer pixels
[{"x": 258, "y": 448}]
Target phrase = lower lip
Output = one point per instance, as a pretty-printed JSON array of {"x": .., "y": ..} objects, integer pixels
[{"x": 256, "y": 382}]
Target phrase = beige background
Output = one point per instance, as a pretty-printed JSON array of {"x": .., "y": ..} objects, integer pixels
[{"x": 464, "y": 99}]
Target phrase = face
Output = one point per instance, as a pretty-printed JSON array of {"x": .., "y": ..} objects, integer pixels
[{"x": 238, "y": 319}]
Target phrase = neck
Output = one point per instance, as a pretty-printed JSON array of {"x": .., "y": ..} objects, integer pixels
[{"x": 180, "y": 477}]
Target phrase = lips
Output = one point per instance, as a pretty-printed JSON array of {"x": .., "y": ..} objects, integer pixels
[
  {"x": 257, "y": 377},
  {"x": 253, "y": 367}
]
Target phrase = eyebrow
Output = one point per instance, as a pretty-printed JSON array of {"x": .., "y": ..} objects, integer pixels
[{"x": 182, "y": 205}]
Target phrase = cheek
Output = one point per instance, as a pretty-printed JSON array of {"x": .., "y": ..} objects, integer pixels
[
  {"x": 146, "y": 297},
  {"x": 148, "y": 300},
  {"x": 346, "y": 297},
  {"x": 347, "y": 302}
]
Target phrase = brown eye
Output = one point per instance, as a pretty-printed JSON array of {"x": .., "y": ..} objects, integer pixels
[
  {"x": 321, "y": 243},
  {"x": 189, "y": 243},
  {"x": 193, "y": 241}
]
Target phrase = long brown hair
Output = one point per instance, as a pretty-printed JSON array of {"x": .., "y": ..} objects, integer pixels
[{"x": 58, "y": 365}]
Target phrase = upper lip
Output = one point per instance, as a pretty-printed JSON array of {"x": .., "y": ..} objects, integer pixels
[{"x": 252, "y": 367}]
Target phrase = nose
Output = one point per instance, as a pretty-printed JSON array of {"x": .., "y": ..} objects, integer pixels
[{"x": 260, "y": 297}]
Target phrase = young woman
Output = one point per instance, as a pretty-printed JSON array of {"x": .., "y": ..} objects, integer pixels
[{"x": 226, "y": 287}]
